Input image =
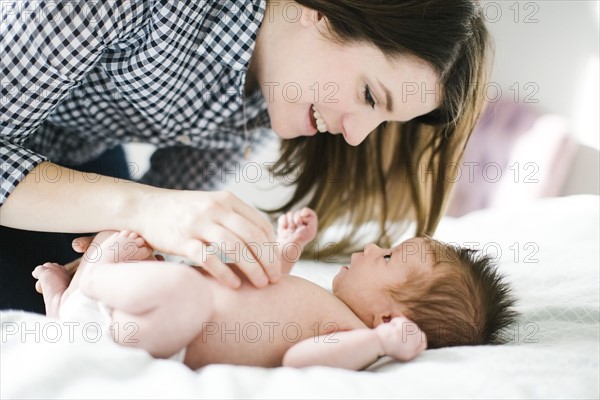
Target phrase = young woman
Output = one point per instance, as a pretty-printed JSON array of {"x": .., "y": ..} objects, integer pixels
[{"x": 375, "y": 103}]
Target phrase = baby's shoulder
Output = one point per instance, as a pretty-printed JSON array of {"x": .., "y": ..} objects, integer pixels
[{"x": 330, "y": 309}]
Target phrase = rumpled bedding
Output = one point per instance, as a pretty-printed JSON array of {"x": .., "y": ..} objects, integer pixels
[{"x": 548, "y": 249}]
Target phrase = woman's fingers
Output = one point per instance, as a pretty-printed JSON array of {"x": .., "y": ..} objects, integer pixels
[
  {"x": 186, "y": 223},
  {"x": 257, "y": 257},
  {"x": 252, "y": 215},
  {"x": 256, "y": 219},
  {"x": 248, "y": 257},
  {"x": 198, "y": 252}
]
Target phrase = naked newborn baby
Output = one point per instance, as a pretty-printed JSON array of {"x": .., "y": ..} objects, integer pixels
[{"x": 394, "y": 302}]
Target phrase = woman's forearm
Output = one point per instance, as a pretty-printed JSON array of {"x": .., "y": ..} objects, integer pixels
[
  {"x": 56, "y": 199},
  {"x": 177, "y": 222}
]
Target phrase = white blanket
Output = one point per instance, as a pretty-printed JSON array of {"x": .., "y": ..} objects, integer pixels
[{"x": 548, "y": 249}]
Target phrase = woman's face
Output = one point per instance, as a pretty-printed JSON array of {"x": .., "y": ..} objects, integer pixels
[{"x": 353, "y": 88}]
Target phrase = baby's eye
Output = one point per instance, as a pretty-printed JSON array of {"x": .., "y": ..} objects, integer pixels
[{"x": 387, "y": 257}]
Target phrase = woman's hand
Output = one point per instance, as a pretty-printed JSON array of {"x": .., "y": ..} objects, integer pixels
[{"x": 201, "y": 225}]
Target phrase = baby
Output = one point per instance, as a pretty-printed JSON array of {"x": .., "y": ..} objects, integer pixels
[{"x": 394, "y": 302}]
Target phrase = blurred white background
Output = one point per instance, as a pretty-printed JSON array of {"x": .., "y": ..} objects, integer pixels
[
  {"x": 554, "y": 44},
  {"x": 547, "y": 56}
]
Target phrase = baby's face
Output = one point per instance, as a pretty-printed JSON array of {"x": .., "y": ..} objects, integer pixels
[{"x": 362, "y": 285}]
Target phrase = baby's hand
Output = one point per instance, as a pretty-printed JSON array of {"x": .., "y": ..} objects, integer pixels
[
  {"x": 401, "y": 338},
  {"x": 297, "y": 226}
]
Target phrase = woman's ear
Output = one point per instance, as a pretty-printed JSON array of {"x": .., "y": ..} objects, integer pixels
[{"x": 310, "y": 17}]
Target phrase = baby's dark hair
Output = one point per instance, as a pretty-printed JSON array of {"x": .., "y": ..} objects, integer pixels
[{"x": 465, "y": 302}]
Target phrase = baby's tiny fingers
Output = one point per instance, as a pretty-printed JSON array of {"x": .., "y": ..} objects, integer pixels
[
  {"x": 282, "y": 221},
  {"x": 305, "y": 212},
  {"x": 290, "y": 219},
  {"x": 298, "y": 219}
]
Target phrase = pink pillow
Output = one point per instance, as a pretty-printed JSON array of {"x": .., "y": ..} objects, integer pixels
[{"x": 514, "y": 155}]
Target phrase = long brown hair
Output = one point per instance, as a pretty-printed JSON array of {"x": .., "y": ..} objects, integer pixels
[{"x": 402, "y": 171}]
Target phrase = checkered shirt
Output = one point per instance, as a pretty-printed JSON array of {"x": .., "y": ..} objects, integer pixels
[{"x": 80, "y": 77}]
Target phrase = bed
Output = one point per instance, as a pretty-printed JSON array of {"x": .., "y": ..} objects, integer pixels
[{"x": 549, "y": 250}]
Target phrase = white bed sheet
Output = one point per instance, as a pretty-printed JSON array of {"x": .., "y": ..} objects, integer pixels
[{"x": 555, "y": 352}]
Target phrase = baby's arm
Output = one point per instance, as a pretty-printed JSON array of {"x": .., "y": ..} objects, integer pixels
[
  {"x": 295, "y": 229},
  {"x": 357, "y": 349}
]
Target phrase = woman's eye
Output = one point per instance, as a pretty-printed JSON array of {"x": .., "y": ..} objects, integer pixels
[{"x": 368, "y": 98}]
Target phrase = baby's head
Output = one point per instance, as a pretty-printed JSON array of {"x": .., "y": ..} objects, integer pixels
[{"x": 454, "y": 295}]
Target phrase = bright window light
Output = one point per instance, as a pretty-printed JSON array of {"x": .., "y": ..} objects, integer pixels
[{"x": 586, "y": 125}]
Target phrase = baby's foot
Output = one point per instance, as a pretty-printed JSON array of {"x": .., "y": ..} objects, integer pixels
[
  {"x": 81, "y": 244},
  {"x": 53, "y": 280},
  {"x": 124, "y": 246},
  {"x": 299, "y": 227}
]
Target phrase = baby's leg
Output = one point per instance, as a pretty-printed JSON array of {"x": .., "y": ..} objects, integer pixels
[
  {"x": 157, "y": 306},
  {"x": 109, "y": 247},
  {"x": 54, "y": 281},
  {"x": 115, "y": 247}
]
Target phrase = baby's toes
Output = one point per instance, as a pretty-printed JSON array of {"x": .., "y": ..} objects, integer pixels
[
  {"x": 38, "y": 287},
  {"x": 52, "y": 278},
  {"x": 125, "y": 233},
  {"x": 139, "y": 241},
  {"x": 133, "y": 237},
  {"x": 37, "y": 271}
]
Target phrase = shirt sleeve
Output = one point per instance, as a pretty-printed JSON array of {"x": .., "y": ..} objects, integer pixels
[{"x": 47, "y": 49}]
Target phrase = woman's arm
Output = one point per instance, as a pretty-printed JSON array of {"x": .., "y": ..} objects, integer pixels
[
  {"x": 47, "y": 51},
  {"x": 185, "y": 223},
  {"x": 56, "y": 199},
  {"x": 357, "y": 349}
]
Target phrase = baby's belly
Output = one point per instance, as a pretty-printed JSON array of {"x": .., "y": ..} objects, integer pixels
[{"x": 257, "y": 327}]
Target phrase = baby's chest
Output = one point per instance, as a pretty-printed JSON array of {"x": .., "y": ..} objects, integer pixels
[
  {"x": 258, "y": 327},
  {"x": 289, "y": 309}
]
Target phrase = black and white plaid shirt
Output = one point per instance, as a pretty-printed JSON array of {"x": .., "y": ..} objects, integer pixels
[{"x": 79, "y": 77}]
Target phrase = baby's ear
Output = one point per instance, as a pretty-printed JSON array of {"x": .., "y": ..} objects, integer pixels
[{"x": 382, "y": 318}]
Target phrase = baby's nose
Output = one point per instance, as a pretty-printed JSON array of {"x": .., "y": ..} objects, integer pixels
[{"x": 370, "y": 247}]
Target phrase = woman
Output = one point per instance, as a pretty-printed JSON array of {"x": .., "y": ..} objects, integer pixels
[{"x": 378, "y": 98}]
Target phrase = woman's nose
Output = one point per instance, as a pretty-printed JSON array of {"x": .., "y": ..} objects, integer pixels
[{"x": 358, "y": 130}]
